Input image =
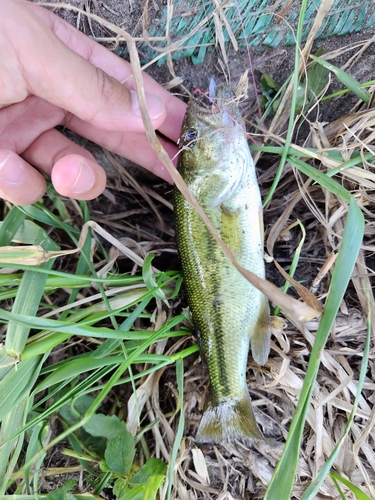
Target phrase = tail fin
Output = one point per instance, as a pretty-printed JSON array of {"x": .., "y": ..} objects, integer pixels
[{"x": 227, "y": 419}]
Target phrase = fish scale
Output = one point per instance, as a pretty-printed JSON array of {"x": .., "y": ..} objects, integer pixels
[{"x": 228, "y": 312}]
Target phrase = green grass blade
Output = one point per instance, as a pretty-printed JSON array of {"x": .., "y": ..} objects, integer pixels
[
  {"x": 181, "y": 425},
  {"x": 36, "y": 439},
  {"x": 281, "y": 484},
  {"x": 312, "y": 491},
  {"x": 345, "y": 91},
  {"x": 76, "y": 367},
  {"x": 6, "y": 363},
  {"x": 293, "y": 105},
  {"x": 346, "y": 79},
  {"x": 341, "y": 493},
  {"x": 321, "y": 178},
  {"x": 294, "y": 263},
  {"x": 355, "y": 160},
  {"x": 26, "y": 233},
  {"x": 10, "y": 425},
  {"x": 41, "y": 214},
  {"x": 10, "y": 225},
  {"x": 85, "y": 496},
  {"x": 152, "y": 486},
  {"x": 26, "y": 303},
  {"x": 357, "y": 491},
  {"x": 148, "y": 277},
  {"x": 86, "y": 331},
  {"x": 17, "y": 383},
  {"x": 28, "y": 298}
]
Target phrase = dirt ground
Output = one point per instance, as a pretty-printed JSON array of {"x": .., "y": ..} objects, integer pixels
[{"x": 228, "y": 469}]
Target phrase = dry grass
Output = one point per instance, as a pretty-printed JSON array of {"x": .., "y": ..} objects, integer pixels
[{"x": 235, "y": 470}]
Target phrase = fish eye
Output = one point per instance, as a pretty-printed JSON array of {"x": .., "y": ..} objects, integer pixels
[{"x": 190, "y": 137}]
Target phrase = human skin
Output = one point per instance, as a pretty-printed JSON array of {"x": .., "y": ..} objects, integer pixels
[{"x": 51, "y": 74}]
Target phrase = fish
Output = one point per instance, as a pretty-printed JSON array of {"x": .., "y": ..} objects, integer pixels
[{"x": 229, "y": 314}]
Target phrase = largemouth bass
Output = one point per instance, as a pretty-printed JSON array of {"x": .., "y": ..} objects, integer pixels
[{"x": 228, "y": 312}]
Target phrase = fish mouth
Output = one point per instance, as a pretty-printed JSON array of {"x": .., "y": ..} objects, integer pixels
[
  {"x": 218, "y": 97},
  {"x": 219, "y": 94}
]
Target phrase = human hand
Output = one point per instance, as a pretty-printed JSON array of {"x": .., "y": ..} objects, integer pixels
[{"x": 51, "y": 74}]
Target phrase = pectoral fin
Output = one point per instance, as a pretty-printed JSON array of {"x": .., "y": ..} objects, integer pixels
[{"x": 261, "y": 335}]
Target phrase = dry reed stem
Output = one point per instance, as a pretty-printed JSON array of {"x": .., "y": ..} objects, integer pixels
[{"x": 298, "y": 309}]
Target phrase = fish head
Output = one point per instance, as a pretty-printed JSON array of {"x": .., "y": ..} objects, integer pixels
[
  {"x": 214, "y": 153},
  {"x": 208, "y": 128}
]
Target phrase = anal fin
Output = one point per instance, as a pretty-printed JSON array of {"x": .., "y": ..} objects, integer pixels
[{"x": 261, "y": 335}]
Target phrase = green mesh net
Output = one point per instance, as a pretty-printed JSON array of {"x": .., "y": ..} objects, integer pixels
[{"x": 252, "y": 22}]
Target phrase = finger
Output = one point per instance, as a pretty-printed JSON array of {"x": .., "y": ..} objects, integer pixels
[
  {"x": 42, "y": 146},
  {"x": 77, "y": 177},
  {"x": 64, "y": 78},
  {"x": 116, "y": 67},
  {"x": 49, "y": 148},
  {"x": 73, "y": 170},
  {"x": 20, "y": 183},
  {"x": 22, "y": 123},
  {"x": 134, "y": 147}
]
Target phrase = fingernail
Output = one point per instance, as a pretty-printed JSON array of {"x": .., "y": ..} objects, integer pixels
[
  {"x": 11, "y": 170},
  {"x": 84, "y": 181},
  {"x": 155, "y": 106}
]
